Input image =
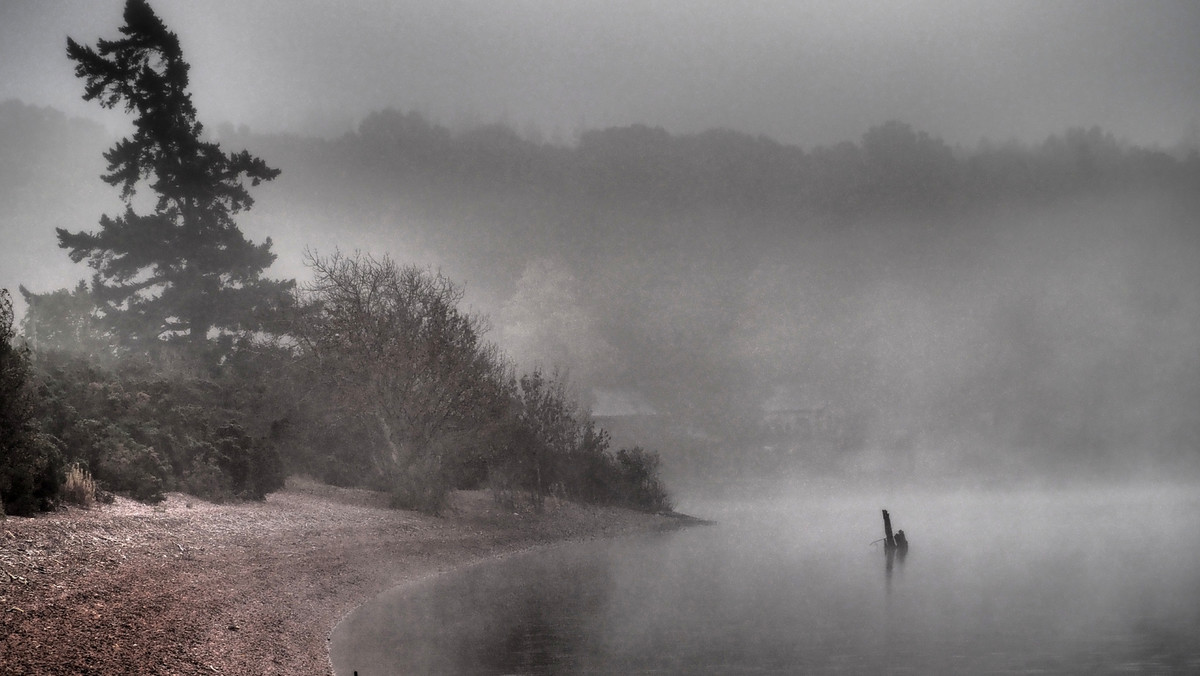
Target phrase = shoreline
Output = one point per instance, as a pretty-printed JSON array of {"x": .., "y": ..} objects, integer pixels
[
  {"x": 189, "y": 587},
  {"x": 417, "y": 582}
]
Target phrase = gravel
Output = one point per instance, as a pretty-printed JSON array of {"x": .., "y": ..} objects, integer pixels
[{"x": 190, "y": 587}]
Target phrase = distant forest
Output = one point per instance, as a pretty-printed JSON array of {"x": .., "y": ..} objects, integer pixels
[{"x": 892, "y": 166}]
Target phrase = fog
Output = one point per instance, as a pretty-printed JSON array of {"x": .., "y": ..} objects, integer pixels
[
  {"x": 816, "y": 72},
  {"x": 937, "y": 333}
]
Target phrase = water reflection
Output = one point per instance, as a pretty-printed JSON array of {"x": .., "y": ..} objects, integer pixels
[
  {"x": 894, "y": 547},
  {"x": 796, "y": 589},
  {"x": 528, "y": 615},
  {"x": 542, "y": 628},
  {"x": 893, "y": 557}
]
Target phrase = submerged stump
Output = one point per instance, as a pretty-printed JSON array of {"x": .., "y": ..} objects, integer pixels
[{"x": 897, "y": 542}]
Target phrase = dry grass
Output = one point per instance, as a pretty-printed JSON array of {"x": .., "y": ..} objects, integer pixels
[{"x": 79, "y": 488}]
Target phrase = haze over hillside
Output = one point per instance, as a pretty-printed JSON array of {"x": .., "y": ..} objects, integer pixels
[
  {"x": 1013, "y": 310},
  {"x": 814, "y": 72},
  {"x": 926, "y": 238}
]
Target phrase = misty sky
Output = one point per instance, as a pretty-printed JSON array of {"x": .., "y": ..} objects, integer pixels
[{"x": 809, "y": 73}]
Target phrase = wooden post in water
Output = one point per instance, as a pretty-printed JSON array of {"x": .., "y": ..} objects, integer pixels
[{"x": 889, "y": 542}]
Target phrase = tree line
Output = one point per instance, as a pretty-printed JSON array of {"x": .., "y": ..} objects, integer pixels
[
  {"x": 893, "y": 165},
  {"x": 181, "y": 366}
]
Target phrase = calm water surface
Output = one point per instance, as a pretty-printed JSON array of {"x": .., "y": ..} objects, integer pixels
[{"x": 1096, "y": 581}]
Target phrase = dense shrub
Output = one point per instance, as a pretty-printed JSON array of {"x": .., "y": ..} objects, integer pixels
[
  {"x": 420, "y": 485},
  {"x": 253, "y": 466},
  {"x": 30, "y": 475},
  {"x": 334, "y": 452},
  {"x": 204, "y": 476},
  {"x": 548, "y": 445},
  {"x": 122, "y": 464},
  {"x": 30, "y": 462},
  {"x": 639, "y": 485},
  {"x": 143, "y": 429}
]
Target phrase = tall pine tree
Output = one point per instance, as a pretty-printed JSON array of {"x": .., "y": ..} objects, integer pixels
[{"x": 185, "y": 268}]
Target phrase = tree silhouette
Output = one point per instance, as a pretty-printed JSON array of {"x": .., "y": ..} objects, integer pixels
[{"x": 184, "y": 268}]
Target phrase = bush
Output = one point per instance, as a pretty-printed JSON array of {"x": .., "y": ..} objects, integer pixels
[
  {"x": 143, "y": 429},
  {"x": 120, "y": 462},
  {"x": 421, "y": 486},
  {"x": 29, "y": 461},
  {"x": 253, "y": 466},
  {"x": 30, "y": 476},
  {"x": 639, "y": 484},
  {"x": 545, "y": 444},
  {"x": 204, "y": 478}
]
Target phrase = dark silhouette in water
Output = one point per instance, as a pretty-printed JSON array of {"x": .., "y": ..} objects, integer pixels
[
  {"x": 889, "y": 541},
  {"x": 894, "y": 546}
]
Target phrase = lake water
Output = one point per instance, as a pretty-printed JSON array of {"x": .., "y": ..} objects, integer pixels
[{"x": 1083, "y": 581}]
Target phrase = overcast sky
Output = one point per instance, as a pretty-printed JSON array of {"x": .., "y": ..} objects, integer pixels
[{"x": 804, "y": 72}]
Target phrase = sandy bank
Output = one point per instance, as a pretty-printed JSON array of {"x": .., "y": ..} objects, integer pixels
[{"x": 187, "y": 587}]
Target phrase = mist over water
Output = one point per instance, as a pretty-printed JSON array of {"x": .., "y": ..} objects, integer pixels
[{"x": 1050, "y": 581}]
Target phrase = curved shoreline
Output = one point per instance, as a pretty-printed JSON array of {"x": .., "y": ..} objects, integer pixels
[
  {"x": 415, "y": 584},
  {"x": 188, "y": 587}
]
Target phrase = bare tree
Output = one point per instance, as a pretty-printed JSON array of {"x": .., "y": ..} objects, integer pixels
[{"x": 391, "y": 352}]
